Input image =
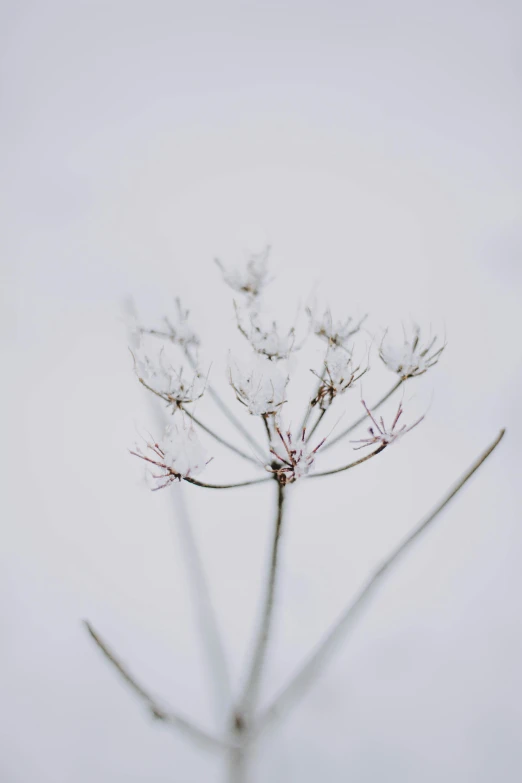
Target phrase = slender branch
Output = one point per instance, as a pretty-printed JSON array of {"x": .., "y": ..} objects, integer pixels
[
  {"x": 351, "y": 465},
  {"x": 213, "y": 647},
  {"x": 150, "y": 702},
  {"x": 219, "y": 439},
  {"x": 306, "y": 675},
  {"x": 360, "y": 420},
  {"x": 249, "y": 697},
  {"x": 225, "y": 409},
  {"x": 226, "y": 486},
  {"x": 317, "y": 423},
  {"x": 172, "y": 401},
  {"x": 267, "y": 428}
]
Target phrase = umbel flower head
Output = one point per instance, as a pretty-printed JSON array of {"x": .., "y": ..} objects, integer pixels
[
  {"x": 338, "y": 375},
  {"x": 412, "y": 358},
  {"x": 294, "y": 459},
  {"x": 268, "y": 340},
  {"x": 178, "y": 329},
  {"x": 336, "y": 333},
  {"x": 259, "y": 385},
  {"x": 173, "y": 385},
  {"x": 381, "y": 434},
  {"x": 249, "y": 280},
  {"x": 179, "y": 455}
]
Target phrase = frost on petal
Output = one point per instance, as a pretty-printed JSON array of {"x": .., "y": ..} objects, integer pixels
[
  {"x": 178, "y": 455},
  {"x": 250, "y": 279},
  {"x": 294, "y": 459},
  {"x": 183, "y": 450},
  {"x": 335, "y": 332},
  {"x": 160, "y": 373},
  {"x": 412, "y": 357},
  {"x": 258, "y": 384},
  {"x": 339, "y": 374},
  {"x": 267, "y": 339}
]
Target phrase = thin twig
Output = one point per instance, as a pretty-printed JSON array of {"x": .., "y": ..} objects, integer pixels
[
  {"x": 360, "y": 420},
  {"x": 227, "y": 486},
  {"x": 219, "y": 439},
  {"x": 225, "y": 409},
  {"x": 351, "y": 465},
  {"x": 157, "y": 711},
  {"x": 249, "y": 697},
  {"x": 172, "y": 401},
  {"x": 305, "y": 676},
  {"x": 317, "y": 423},
  {"x": 212, "y": 643}
]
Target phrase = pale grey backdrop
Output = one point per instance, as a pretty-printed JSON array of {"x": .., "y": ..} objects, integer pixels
[{"x": 377, "y": 147}]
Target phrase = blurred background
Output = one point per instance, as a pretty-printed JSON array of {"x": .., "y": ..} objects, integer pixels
[{"x": 376, "y": 147}]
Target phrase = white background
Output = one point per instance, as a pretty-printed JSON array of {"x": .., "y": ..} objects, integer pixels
[{"x": 376, "y": 146}]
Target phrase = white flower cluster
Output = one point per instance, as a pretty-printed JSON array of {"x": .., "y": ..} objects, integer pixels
[
  {"x": 266, "y": 340},
  {"x": 294, "y": 460},
  {"x": 175, "y": 385},
  {"x": 338, "y": 375},
  {"x": 382, "y": 435},
  {"x": 179, "y": 455},
  {"x": 411, "y": 358},
  {"x": 259, "y": 385},
  {"x": 249, "y": 280},
  {"x": 336, "y": 333}
]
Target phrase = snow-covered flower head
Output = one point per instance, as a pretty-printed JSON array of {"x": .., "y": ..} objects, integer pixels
[
  {"x": 178, "y": 329},
  {"x": 179, "y": 455},
  {"x": 412, "y": 358},
  {"x": 339, "y": 374},
  {"x": 266, "y": 339},
  {"x": 294, "y": 459},
  {"x": 250, "y": 279},
  {"x": 382, "y": 435},
  {"x": 336, "y": 333},
  {"x": 173, "y": 384},
  {"x": 259, "y": 385}
]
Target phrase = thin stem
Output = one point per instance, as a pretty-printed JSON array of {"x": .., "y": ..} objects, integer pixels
[
  {"x": 150, "y": 702},
  {"x": 355, "y": 424},
  {"x": 267, "y": 428},
  {"x": 251, "y": 689},
  {"x": 226, "y": 486},
  {"x": 228, "y": 413},
  {"x": 317, "y": 423},
  {"x": 172, "y": 401},
  {"x": 213, "y": 647},
  {"x": 309, "y": 671},
  {"x": 351, "y": 465},
  {"x": 220, "y": 439}
]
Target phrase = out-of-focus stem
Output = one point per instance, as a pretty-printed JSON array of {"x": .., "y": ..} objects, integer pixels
[
  {"x": 309, "y": 671},
  {"x": 157, "y": 711}
]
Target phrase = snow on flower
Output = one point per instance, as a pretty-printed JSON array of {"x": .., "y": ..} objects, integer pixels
[
  {"x": 178, "y": 329},
  {"x": 336, "y": 333},
  {"x": 266, "y": 340},
  {"x": 179, "y": 455},
  {"x": 252, "y": 278},
  {"x": 173, "y": 384},
  {"x": 294, "y": 459},
  {"x": 259, "y": 385},
  {"x": 338, "y": 375},
  {"x": 382, "y": 435},
  {"x": 412, "y": 358}
]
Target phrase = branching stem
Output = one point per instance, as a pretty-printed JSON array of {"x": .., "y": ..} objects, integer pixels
[
  {"x": 308, "y": 673},
  {"x": 157, "y": 711}
]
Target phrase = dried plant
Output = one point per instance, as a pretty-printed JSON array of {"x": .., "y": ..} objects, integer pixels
[{"x": 261, "y": 386}]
